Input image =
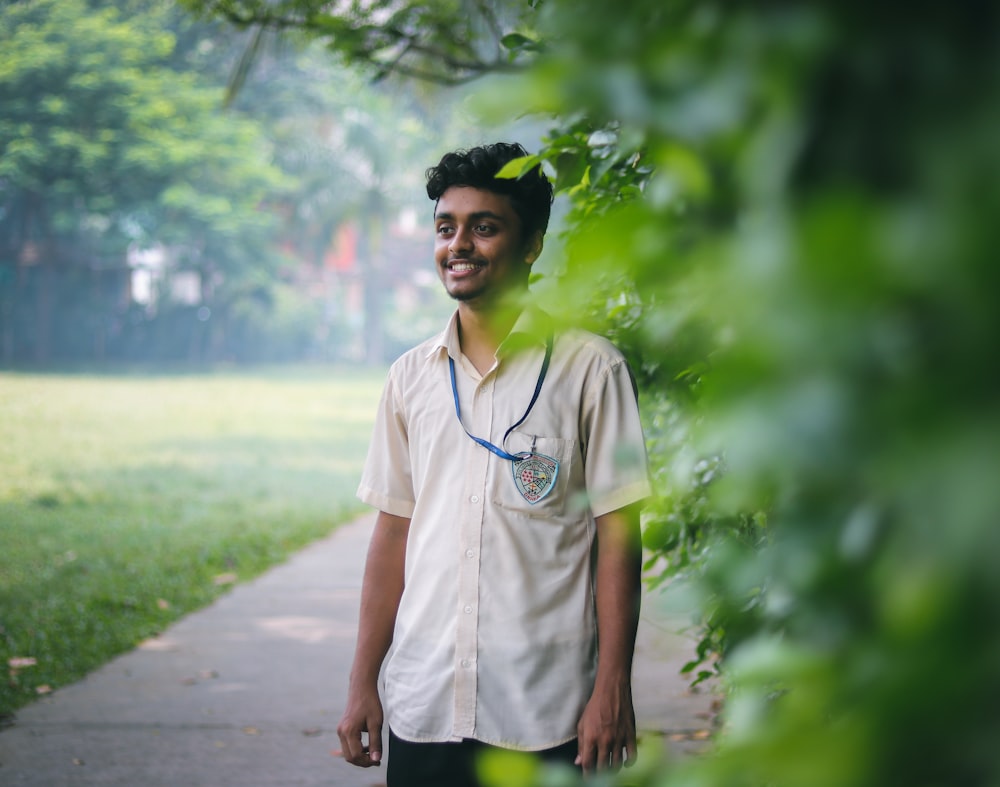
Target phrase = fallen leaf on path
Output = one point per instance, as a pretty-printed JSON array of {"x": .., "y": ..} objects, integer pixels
[
  {"x": 694, "y": 735},
  {"x": 78, "y": 761},
  {"x": 45, "y": 688},
  {"x": 225, "y": 579},
  {"x": 251, "y": 731},
  {"x": 208, "y": 674},
  {"x": 158, "y": 643},
  {"x": 312, "y": 732}
]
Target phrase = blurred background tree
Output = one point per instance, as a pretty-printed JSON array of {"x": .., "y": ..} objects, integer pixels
[
  {"x": 141, "y": 219},
  {"x": 104, "y": 145},
  {"x": 786, "y": 214}
]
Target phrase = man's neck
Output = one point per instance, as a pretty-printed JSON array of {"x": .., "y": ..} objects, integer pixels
[{"x": 480, "y": 331}]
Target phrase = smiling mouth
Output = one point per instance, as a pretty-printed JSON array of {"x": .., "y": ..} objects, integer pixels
[{"x": 462, "y": 267}]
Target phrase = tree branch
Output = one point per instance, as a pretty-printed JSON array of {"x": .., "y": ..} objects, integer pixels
[{"x": 371, "y": 43}]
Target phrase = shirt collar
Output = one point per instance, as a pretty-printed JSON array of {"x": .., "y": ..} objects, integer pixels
[
  {"x": 448, "y": 339},
  {"x": 532, "y": 327}
]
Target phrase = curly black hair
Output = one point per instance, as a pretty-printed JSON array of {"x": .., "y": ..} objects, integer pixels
[{"x": 530, "y": 195}]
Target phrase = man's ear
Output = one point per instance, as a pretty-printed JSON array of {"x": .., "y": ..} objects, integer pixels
[{"x": 534, "y": 249}]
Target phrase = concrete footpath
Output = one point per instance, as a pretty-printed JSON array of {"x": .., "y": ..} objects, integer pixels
[{"x": 248, "y": 692}]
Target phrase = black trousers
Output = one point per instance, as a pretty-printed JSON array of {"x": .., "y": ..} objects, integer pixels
[{"x": 449, "y": 764}]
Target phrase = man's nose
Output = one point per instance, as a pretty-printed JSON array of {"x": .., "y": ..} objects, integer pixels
[{"x": 460, "y": 241}]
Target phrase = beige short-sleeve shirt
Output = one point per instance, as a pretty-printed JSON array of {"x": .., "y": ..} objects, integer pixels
[{"x": 495, "y": 638}]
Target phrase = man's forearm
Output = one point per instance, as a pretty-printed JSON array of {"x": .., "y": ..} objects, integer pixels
[
  {"x": 607, "y": 727},
  {"x": 381, "y": 591},
  {"x": 618, "y": 589}
]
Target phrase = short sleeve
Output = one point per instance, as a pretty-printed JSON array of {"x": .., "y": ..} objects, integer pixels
[
  {"x": 616, "y": 468},
  {"x": 387, "y": 479}
]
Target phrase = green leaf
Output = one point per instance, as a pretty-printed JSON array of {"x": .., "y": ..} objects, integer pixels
[
  {"x": 507, "y": 768},
  {"x": 517, "y": 42},
  {"x": 515, "y": 168}
]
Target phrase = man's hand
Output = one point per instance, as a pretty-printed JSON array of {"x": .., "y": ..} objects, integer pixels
[
  {"x": 606, "y": 730},
  {"x": 363, "y": 715}
]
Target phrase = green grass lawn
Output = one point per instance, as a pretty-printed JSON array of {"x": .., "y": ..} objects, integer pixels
[{"x": 127, "y": 501}]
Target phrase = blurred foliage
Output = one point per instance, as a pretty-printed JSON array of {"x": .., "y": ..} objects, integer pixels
[
  {"x": 804, "y": 282},
  {"x": 105, "y": 145},
  {"x": 446, "y": 42},
  {"x": 785, "y": 214},
  {"x": 115, "y": 137}
]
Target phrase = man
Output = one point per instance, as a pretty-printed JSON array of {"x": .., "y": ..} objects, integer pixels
[{"x": 507, "y": 463}]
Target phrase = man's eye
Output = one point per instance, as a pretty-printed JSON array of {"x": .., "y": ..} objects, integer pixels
[
  {"x": 484, "y": 229},
  {"x": 443, "y": 230}
]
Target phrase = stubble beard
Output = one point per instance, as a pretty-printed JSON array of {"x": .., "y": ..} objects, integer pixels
[
  {"x": 471, "y": 295},
  {"x": 490, "y": 294}
]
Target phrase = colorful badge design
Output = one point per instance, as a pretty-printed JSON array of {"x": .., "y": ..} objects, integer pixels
[{"x": 534, "y": 476}]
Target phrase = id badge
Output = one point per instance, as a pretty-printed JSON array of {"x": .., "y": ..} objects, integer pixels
[{"x": 534, "y": 475}]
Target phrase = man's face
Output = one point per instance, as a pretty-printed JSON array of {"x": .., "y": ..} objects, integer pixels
[{"x": 478, "y": 248}]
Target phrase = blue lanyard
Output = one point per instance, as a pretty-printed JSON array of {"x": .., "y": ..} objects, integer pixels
[{"x": 538, "y": 387}]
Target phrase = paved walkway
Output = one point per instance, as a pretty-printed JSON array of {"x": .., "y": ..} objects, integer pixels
[{"x": 248, "y": 692}]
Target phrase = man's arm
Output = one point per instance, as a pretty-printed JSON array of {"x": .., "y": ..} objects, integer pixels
[
  {"x": 607, "y": 726},
  {"x": 380, "y": 593}
]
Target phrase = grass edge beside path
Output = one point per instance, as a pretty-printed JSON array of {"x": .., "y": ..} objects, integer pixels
[{"x": 127, "y": 502}]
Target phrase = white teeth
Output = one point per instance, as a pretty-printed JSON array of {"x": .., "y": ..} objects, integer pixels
[{"x": 463, "y": 266}]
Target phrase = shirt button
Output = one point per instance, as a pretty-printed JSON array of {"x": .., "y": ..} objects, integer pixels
[
  {"x": 468, "y": 610},
  {"x": 474, "y": 498},
  {"x": 465, "y": 663},
  {"x": 469, "y": 553}
]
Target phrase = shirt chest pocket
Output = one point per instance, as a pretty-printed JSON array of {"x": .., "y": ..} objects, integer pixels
[{"x": 546, "y": 484}]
